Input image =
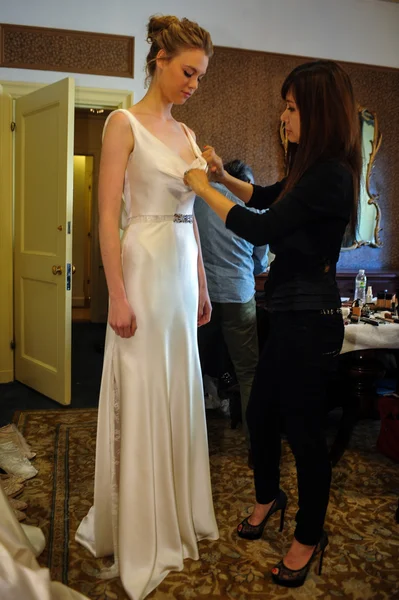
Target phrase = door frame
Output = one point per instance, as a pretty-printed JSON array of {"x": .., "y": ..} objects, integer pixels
[{"x": 84, "y": 97}]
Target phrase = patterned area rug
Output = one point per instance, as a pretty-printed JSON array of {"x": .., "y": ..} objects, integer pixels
[{"x": 361, "y": 562}]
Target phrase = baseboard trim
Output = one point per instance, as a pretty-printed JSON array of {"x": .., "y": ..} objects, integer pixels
[{"x": 6, "y": 376}]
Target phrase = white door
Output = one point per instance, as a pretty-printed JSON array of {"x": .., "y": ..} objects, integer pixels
[{"x": 43, "y": 239}]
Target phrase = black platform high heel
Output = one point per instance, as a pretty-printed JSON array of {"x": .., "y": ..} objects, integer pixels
[
  {"x": 286, "y": 577},
  {"x": 254, "y": 532}
]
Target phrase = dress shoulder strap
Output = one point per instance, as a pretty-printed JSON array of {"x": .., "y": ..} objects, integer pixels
[
  {"x": 125, "y": 112},
  {"x": 191, "y": 139}
]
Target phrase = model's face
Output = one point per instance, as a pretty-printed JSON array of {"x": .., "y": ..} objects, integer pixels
[
  {"x": 180, "y": 76},
  {"x": 291, "y": 119}
]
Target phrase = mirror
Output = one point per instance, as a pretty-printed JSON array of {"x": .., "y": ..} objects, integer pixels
[{"x": 369, "y": 211}]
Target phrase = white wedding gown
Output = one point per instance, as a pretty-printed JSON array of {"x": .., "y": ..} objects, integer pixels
[{"x": 152, "y": 496}]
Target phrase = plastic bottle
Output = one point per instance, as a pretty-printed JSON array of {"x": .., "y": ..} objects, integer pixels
[
  {"x": 360, "y": 286},
  {"x": 369, "y": 295}
]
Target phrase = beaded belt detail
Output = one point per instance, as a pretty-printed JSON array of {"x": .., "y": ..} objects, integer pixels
[
  {"x": 331, "y": 311},
  {"x": 176, "y": 218}
]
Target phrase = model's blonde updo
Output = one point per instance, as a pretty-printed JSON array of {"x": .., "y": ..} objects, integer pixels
[{"x": 174, "y": 35}]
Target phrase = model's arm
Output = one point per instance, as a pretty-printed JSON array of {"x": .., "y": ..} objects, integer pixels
[
  {"x": 204, "y": 303},
  {"x": 117, "y": 146}
]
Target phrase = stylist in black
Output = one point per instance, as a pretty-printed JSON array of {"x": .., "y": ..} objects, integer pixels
[{"x": 308, "y": 214}]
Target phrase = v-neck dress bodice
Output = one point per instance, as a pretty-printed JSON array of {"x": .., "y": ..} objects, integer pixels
[
  {"x": 152, "y": 492},
  {"x": 154, "y": 176}
]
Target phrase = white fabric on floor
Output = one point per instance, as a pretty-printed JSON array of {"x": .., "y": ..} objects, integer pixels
[{"x": 21, "y": 577}]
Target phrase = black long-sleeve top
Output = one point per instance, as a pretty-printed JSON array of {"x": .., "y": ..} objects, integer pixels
[{"x": 305, "y": 230}]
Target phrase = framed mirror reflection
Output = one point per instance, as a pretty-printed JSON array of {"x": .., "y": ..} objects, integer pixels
[{"x": 368, "y": 229}]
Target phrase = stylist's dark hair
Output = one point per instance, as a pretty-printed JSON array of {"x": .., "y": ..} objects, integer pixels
[
  {"x": 240, "y": 170},
  {"x": 329, "y": 123}
]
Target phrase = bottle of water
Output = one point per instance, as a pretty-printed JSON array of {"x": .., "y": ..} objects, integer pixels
[{"x": 360, "y": 286}]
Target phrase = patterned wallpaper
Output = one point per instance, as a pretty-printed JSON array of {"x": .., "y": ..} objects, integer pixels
[
  {"x": 237, "y": 110},
  {"x": 44, "y": 48}
]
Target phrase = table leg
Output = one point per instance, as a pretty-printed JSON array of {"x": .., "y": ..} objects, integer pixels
[
  {"x": 361, "y": 370},
  {"x": 356, "y": 393}
]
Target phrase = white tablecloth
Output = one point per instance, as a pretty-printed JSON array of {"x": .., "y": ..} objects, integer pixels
[{"x": 362, "y": 336}]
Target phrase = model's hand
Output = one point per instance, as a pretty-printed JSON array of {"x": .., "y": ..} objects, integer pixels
[
  {"x": 197, "y": 180},
  {"x": 122, "y": 318},
  {"x": 215, "y": 163},
  {"x": 204, "y": 307}
]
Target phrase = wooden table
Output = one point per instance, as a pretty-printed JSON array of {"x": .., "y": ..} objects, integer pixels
[
  {"x": 361, "y": 359},
  {"x": 360, "y": 367}
]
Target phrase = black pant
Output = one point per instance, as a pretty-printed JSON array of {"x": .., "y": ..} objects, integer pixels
[{"x": 289, "y": 390}]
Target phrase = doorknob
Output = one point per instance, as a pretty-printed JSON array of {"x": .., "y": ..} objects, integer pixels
[
  {"x": 56, "y": 270},
  {"x": 73, "y": 269}
]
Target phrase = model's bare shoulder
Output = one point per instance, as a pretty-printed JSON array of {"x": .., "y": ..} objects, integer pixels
[
  {"x": 119, "y": 130},
  {"x": 119, "y": 119}
]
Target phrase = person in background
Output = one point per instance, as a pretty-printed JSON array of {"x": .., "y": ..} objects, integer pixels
[
  {"x": 230, "y": 264},
  {"x": 308, "y": 215}
]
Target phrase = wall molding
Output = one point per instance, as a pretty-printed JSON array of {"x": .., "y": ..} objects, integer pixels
[
  {"x": 84, "y": 96},
  {"x": 66, "y": 50}
]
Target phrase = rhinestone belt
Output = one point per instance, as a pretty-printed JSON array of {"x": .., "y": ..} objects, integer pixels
[{"x": 176, "y": 218}]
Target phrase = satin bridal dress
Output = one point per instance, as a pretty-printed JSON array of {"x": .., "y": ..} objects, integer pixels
[{"x": 152, "y": 496}]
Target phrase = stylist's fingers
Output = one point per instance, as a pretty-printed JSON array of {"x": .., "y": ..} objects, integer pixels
[
  {"x": 210, "y": 159},
  {"x": 208, "y": 153}
]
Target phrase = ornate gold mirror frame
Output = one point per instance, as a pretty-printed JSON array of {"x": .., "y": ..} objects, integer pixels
[{"x": 368, "y": 230}]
